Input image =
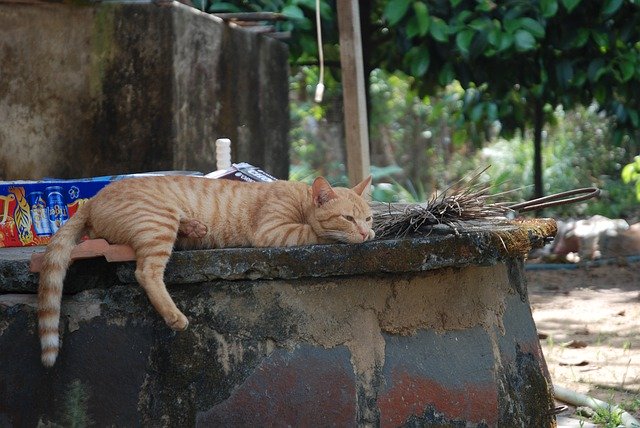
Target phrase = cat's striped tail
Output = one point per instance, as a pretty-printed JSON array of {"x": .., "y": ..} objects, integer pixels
[{"x": 54, "y": 268}]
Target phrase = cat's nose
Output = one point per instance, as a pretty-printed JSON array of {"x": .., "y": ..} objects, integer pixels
[{"x": 364, "y": 234}]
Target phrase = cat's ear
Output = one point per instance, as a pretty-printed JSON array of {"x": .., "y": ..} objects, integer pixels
[
  {"x": 362, "y": 186},
  {"x": 322, "y": 191}
]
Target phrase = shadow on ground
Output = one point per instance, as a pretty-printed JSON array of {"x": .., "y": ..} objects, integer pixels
[{"x": 588, "y": 321}]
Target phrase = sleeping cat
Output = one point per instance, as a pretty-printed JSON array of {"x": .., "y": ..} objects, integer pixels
[{"x": 154, "y": 214}]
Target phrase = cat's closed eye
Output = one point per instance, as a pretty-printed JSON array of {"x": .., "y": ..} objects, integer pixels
[
  {"x": 349, "y": 218},
  {"x": 368, "y": 219}
]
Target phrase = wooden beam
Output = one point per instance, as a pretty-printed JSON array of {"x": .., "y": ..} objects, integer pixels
[{"x": 353, "y": 91}]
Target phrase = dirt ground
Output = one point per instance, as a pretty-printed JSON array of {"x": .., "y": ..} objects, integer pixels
[{"x": 588, "y": 321}]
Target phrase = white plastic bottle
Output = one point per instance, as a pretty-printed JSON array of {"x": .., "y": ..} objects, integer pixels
[{"x": 223, "y": 158}]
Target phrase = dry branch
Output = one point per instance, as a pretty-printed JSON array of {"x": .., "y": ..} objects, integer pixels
[{"x": 465, "y": 200}]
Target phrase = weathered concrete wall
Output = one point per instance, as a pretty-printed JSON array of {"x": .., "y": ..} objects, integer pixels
[
  {"x": 304, "y": 336},
  {"x": 114, "y": 88},
  {"x": 451, "y": 345}
]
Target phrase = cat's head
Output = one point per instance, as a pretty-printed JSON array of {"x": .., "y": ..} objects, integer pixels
[{"x": 341, "y": 214}]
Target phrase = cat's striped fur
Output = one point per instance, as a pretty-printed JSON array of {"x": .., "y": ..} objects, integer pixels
[{"x": 154, "y": 214}]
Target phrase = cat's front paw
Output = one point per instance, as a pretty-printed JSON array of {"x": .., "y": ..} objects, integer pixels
[{"x": 177, "y": 321}]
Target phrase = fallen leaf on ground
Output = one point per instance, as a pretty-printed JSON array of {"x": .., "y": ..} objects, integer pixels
[
  {"x": 574, "y": 363},
  {"x": 576, "y": 344}
]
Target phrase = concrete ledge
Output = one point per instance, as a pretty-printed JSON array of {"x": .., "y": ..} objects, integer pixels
[{"x": 480, "y": 243}]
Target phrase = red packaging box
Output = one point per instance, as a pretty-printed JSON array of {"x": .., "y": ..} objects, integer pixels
[{"x": 32, "y": 211}]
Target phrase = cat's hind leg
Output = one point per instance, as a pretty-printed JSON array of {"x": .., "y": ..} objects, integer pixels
[
  {"x": 151, "y": 261},
  {"x": 192, "y": 228}
]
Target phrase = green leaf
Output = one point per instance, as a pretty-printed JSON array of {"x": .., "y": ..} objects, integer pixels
[
  {"x": 413, "y": 29},
  {"x": 610, "y": 7},
  {"x": 293, "y": 12},
  {"x": 544, "y": 76},
  {"x": 582, "y": 36},
  {"x": 600, "y": 93},
  {"x": 627, "y": 70},
  {"x": 505, "y": 41},
  {"x": 548, "y": 8},
  {"x": 630, "y": 173},
  {"x": 621, "y": 113},
  {"x": 480, "y": 24},
  {"x": 494, "y": 37},
  {"x": 455, "y": 3},
  {"x": 537, "y": 90},
  {"x": 579, "y": 78},
  {"x": 511, "y": 25},
  {"x": 513, "y": 13},
  {"x": 439, "y": 29},
  {"x": 462, "y": 17},
  {"x": 524, "y": 41},
  {"x": 217, "y": 6},
  {"x": 570, "y": 4},
  {"x": 446, "y": 75},
  {"x": 533, "y": 27},
  {"x": 601, "y": 39},
  {"x": 564, "y": 73},
  {"x": 422, "y": 16},
  {"x": 634, "y": 117},
  {"x": 309, "y": 44},
  {"x": 419, "y": 59},
  {"x": 325, "y": 10},
  {"x": 596, "y": 69},
  {"x": 395, "y": 10},
  {"x": 476, "y": 112},
  {"x": 485, "y": 6},
  {"x": 492, "y": 111},
  {"x": 463, "y": 41}
]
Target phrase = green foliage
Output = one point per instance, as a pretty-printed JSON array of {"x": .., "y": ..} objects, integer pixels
[
  {"x": 575, "y": 155},
  {"x": 472, "y": 64},
  {"x": 316, "y": 133},
  {"x": 514, "y": 54},
  {"x": 510, "y": 54},
  {"x": 429, "y": 144},
  {"x": 632, "y": 405},
  {"x": 417, "y": 130},
  {"x": 301, "y": 22},
  {"x": 608, "y": 417},
  {"x": 631, "y": 175}
]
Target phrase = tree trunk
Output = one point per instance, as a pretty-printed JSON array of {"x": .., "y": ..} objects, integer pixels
[{"x": 538, "y": 119}]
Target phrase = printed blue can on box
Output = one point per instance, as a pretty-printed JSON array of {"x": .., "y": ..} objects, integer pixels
[
  {"x": 57, "y": 207},
  {"x": 39, "y": 213}
]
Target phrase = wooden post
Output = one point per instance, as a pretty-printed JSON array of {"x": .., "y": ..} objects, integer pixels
[{"x": 353, "y": 91}]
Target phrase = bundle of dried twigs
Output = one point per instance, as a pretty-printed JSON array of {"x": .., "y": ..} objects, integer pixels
[{"x": 463, "y": 201}]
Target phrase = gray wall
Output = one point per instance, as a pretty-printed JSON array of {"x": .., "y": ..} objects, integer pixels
[{"x": 115, "y": 88}]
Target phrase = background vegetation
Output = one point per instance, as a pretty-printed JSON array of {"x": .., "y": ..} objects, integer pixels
[
  {"x": 427, "y": 146},
  {"x": 547, "y": 91}
]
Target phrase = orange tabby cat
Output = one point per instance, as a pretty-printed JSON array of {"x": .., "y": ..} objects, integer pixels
[{"x": 154, "y": 214}]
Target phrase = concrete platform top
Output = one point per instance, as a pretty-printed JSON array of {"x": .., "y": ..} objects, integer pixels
[{"x": 480, "y": 243}]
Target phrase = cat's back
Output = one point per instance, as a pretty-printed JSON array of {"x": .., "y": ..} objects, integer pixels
[
  {"x": 156, "y": 185},
  {"x": 192, "y": 195}
]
